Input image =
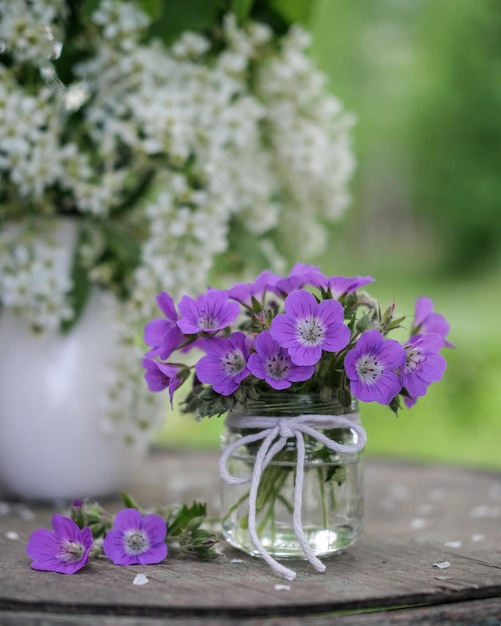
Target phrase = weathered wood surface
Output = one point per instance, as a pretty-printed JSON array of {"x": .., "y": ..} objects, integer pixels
[
  {"x": 472, "y": 613},
  {"x": 416, "y": 516}
]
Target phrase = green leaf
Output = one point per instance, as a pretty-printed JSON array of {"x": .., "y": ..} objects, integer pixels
[
  {"x": 80, "y": 291},
  {"x": 293, "y": 11},
  {"x": 395, "y": 405},
  {"x": 125, "y": 246},
  {"x": 179, "y": 16},
  {"x": 184, "y": 518},
  {"x": 129, "y": 502},
  {"x": 242, "y": 9},
  {"x": 88, "y": 7},
  {"x": 153, "y": 8},
  {"x": 336, "y": 473}
]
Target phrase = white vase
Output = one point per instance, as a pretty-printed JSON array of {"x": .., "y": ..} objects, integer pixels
[{"x": 55, "y": 439}]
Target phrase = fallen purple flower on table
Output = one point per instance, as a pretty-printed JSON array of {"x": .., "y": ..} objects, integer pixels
[
  {"x": 136, "y": 540},
  {"x": 64, "y": 550}
]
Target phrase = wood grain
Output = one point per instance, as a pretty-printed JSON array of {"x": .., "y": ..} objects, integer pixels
[{"x": 416, "y": 516}]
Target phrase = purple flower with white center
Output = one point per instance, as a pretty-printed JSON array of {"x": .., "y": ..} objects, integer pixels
[
  {"x": 308, "y": 327},
  {"x": 245, "y": 292},
  {"x": 160, "y": 376},
  {"x": 64, "y": 550},
  {"x": 163, "y": 334},
  {"x": 225, "y": 364},
  {"x": 208, "y": 313},
  {"x": 136, "y": 540},
  {"x": 423, "y": 363},
  {"x": 273, "y": 364},
  {"x": 371, "y": 368},
  {"x": 426, "y": 321}
]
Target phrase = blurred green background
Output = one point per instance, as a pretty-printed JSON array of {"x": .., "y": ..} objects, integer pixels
[{"x": 423, "y": 78}]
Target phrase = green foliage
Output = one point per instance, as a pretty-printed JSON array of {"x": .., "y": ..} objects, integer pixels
[
  {"x": 81, "y": 286},
  {"x": 457, "y": 128},
  {"x": 178, "y": 16},
  {"x": 185, "y": 529}
]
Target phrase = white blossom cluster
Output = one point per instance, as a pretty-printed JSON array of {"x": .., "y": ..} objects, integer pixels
[
  {"x": 243, "y": 131},
  {"x": 31, "y": 30},
  {"x": 33, "y": 264}
]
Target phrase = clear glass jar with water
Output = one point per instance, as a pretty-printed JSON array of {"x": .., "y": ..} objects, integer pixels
[{"x": 332, "y": 493}]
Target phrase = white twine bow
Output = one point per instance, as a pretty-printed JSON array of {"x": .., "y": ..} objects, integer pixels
[{"x": 285, "y": 428}]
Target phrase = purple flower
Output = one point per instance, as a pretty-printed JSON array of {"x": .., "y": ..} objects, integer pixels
[
  {"x": 423, "y": 363},
  {"x": 66, "y": 550},
  {"x": 160, "y": 376},
  {"x": 426, "y": 321},
  {"x": 163, "y": 334},
  {"x": 209, "y": 313},
  {"x": 342, "y": 285},
  {"x": 299, "y": 276},
  {"x": 136, "y": 540},
  {"x": 273, "y": 363},
  {"x": 225, "y": 364},
  {"x": 245, "y": 292},
  {"x": 308, "y": 327},
  {"x": 371, "y": 366}
]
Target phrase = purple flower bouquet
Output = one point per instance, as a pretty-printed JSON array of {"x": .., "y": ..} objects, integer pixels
[{"x": 288, "y": 358}]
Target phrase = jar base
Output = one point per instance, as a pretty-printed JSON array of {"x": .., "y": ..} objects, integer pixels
[{"x": 283, "y": 543}]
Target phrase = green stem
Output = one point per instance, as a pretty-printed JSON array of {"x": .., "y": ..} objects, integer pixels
[
  {"x": 325, "y": 518},
  {"x": 235, "y": 506}
]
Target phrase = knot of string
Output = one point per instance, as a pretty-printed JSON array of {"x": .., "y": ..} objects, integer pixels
[{"x": 274, "y": 432}]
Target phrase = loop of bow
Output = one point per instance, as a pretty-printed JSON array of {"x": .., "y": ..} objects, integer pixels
[{"x": 274, "y": 434}]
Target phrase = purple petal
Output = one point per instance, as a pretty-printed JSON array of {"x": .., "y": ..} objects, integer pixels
[
  {"x": 298, "y": 373},
  {"x": 114, "y": 548},
  {"x": 300, "y": 304},
  {"x": 154, "y": 554},
  {"x": 256, "y": 366},
  {"x": 337, "y": 337},
  {"x": 305, "y": 355},
  {"x": 391, "y": 354},
  {"x": 244, "y": 292},
  {"x": 166, "y": 304},
  {"x": 189, "y": 310},
  {"x": 424, "y": 308},
  {"x": 369, "y": 340},
  {"x": 65, "y": 528},
  {"x": 155, "y": 330},
  {"x": 277, "y": 383},
  {"x": 284, "y": 331},
  {"x": 265, "y": 344},
  {"x": 342, "y": 285},
  {"x": 42, "y": 545},
  {"x": 155, "y": 526},
  {"x": 330, "y": 312},
  {"x": 128, "y": 519}
]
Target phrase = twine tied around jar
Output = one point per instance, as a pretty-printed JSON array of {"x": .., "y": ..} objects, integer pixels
[{"x": 282, "y": 429}]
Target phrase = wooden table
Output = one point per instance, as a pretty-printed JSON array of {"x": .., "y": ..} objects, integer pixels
[{"x": 417, "y": 516}]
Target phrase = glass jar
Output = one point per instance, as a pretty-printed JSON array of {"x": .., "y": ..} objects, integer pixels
[{"x": 332, "y": 480}]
